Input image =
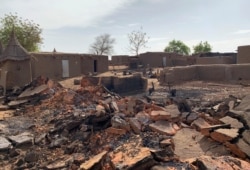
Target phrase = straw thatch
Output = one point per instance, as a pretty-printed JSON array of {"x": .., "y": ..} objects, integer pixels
[{"x": 14, "y": 50}]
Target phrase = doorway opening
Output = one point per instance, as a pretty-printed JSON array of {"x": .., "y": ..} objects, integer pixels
[
  {"x": 95, "y": 65},
  {"x": 65, "y": 68}
]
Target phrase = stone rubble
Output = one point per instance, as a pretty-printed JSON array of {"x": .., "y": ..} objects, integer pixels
[{"x": 92, "y": 128}]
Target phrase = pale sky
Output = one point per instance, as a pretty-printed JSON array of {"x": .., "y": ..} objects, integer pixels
[{"x": 72, "y": 25}]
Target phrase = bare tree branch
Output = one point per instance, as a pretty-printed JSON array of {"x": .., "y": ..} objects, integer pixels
[
  {"x": 137, "y": 40},
  {"x": 103, "y": 45}
]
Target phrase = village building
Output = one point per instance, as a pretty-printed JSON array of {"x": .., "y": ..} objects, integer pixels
[
  {"x": 15, "y": 65},
  {"x": 59, "y": 65},
  {"x": 215, "y": 58},
  {"x": 164, "y": 59},
  {"x": 119, "y": 60},
  {"x": 19, "y": 67},
  {"x": 243, "y": 55},
  {"x": 153, "y": 59}
]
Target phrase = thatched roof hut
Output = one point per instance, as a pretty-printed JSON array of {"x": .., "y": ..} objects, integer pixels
[
  {"x": 15, "y": 65},
  {"x": 14, "y": 50}
]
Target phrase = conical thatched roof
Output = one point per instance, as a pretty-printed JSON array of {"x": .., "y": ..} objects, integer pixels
[{"x": 14, "y": 50}]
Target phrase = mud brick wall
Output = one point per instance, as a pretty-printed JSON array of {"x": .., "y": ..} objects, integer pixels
[
  {"x": 220, "y": 72},
  {"x": 243, "y": 55},
  {"x": 124, "y": 84},
  {"x": 50, "y": 64},
  {"x": 216, "y": 60},
  {"x": 173, "y": 74},
  {"x": 120, "y": 60},
  {"x": 239, "y": 71},
  {"x": 211, "y": 72},
  {"x": 129, "y": 84},
  {"x": 155, "y": 59}
]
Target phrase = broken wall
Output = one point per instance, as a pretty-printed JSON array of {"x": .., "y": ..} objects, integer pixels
[
  {"x": 121, "y": 85},
  {"x": 129, "y": 84},
  {"x": 220, "y": 72}
]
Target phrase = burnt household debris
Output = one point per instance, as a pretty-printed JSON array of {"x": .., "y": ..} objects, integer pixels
[{"x": 194, "y": 125}]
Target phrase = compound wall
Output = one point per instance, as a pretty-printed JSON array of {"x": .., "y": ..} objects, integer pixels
[
  {"x": 216, "y": 60},
  {"x": 219, "y": 72},
  {"x": 178, "y": 74}
]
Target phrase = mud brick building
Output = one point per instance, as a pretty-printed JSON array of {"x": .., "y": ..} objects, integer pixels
[
  {"x": 162, "y": 59},
  {"x": 215, "y": 58},
  {"x": 120, "y": 60},
  {"x": 243, "y": 54},
  {"x": 19, "y": 67}
]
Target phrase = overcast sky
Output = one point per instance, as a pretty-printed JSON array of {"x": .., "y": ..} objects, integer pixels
[{"x": 72, "y": 25}]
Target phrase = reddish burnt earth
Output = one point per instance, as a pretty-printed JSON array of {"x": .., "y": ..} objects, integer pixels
[{"x": 205, "y": 126}]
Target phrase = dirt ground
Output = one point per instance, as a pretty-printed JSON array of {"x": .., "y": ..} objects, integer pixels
[
  {"x": 211, "y": 90},
  {"x": 207, "y": 91},
  {"x": 69, "y": 83}
]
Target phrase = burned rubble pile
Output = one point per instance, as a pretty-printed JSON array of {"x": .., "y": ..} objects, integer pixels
[{"x": 93, "y": 128}]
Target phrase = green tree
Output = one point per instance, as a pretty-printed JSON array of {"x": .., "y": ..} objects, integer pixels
[
  {"x": 27, "y": 32},
  {"x": 137, "y": 40},
  {"x": 177, "y": 46},
  {"x": 202, "y": 47},
  {"x": 103, "y": 45}
]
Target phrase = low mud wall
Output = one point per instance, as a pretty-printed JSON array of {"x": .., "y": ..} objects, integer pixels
[
  {"x": 172, "y": 74},
  {"x": 211, "y": 72},
  {"x": 239, "y": 71},
  {"x": 219, "y": 72},
  {"x": 121, "y": 85}
]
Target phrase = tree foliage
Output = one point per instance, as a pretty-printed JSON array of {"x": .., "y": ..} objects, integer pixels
[
  {"x": 202, "y": 47},
  {"x": 137, "y": 40},
  {"x": 103, "y": 45},
  {"x": 177, "y": 46},
  {"x": 27, "y": 32}
]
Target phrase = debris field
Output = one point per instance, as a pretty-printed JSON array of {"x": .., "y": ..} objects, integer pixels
[{"x": 47, "y": 126}]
